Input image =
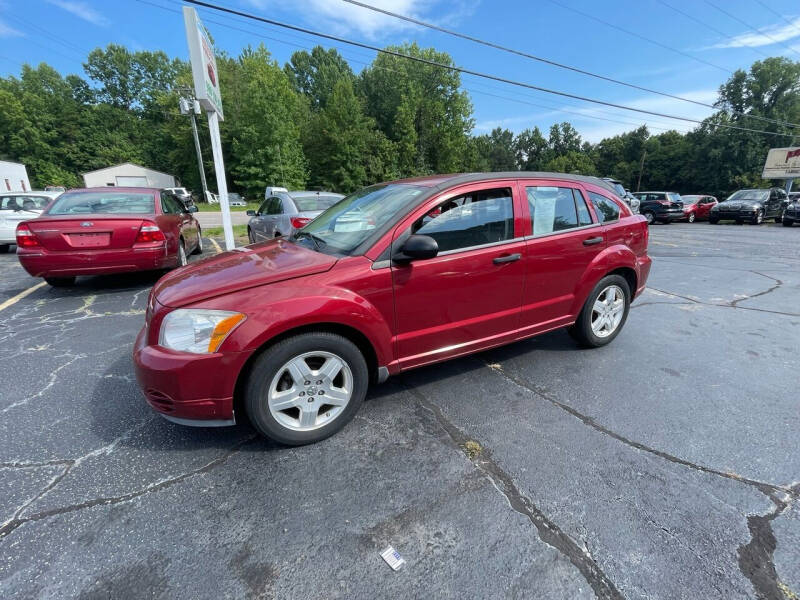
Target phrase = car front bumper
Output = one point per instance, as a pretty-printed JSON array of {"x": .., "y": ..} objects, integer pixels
[
  {"x": 190, "y": 389},
  {"x": 671, "y": 215},
  {"x": 40, "y": 262}
]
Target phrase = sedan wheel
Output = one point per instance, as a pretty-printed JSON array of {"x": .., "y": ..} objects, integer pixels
[
  {"x": 607, "y": 311},
  {"x": 604, "y": 312},
  {"x": 310, "y": 391},
  {"x": 306, "y": 388},
  {"x": 691, "y": 217}
]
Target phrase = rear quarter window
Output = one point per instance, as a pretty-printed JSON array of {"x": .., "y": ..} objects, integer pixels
[{"x": 606, "y": 209}]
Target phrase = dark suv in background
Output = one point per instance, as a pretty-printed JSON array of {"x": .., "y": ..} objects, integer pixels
[
  {"x": 663, "y": 207},
  {"x": 750, "y": 205}
]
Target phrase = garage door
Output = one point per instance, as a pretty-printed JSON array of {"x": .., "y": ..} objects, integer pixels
[{"x": 132, "y": 181}]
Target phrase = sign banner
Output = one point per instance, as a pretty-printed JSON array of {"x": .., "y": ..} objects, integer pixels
[
  {"x": 204, "y": 64},
  {"x": 782, "y": 163}
]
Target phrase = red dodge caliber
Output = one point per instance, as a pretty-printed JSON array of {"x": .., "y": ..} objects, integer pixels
[
  {"x": 97, "y": 231},
  {"x": 394, "y": 276}
]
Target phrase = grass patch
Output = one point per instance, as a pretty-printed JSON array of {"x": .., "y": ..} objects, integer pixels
[
  {"x": 472, "y": 449},
  {"x": 239, "y": 233},
  {"x": 204, "y": 207}
]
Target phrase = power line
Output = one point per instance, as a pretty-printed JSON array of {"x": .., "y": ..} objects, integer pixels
[
  {"x": 780, "y": 16},
  {"x": 641, "y": 37},
  {"x": 585, "y": 115},
  {"x": 557, "y": 64},
  {"x": 464, "y": 70},
  {"x": 750, "y": 27},
  {"x": 64, "y": 42},
  {"x": 707, "y": 25}
]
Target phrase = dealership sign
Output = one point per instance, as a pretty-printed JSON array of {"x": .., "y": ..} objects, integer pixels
[
  {"x": 782, "y": 163},
  {"x": 204, "y": 64}
]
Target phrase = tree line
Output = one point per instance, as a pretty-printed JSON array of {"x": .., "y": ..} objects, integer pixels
[{"x": 314, "y": 123}]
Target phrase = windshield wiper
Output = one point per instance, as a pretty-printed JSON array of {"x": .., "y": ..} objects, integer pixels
[{"x": 314, "y": 238}]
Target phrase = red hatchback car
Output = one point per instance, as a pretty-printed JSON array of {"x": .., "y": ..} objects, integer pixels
[
  {"x": 392, "y": 277},
  {"x": 97, "y": 231},
  {"x": 697, "y": 207}
]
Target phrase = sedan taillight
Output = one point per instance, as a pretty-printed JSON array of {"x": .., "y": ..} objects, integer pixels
[
  {"x": 25, "y": 237},
  {"x": 300, "y": 222},
  {"x": 149, "y": 232}
]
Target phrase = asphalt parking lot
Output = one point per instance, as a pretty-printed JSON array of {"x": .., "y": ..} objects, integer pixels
[{"x": 665, "y": 465}]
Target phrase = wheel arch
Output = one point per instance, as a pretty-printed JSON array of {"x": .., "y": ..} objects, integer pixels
[{"x": 354, "y": 335}]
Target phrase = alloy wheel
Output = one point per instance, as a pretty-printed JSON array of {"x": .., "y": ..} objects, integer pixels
[
  {"x": 650, "y": 217},
  {"x": 760, "y": 217},
  {"x": 691, "y": 217},
  {"x": 310, "y": 390},
  {"x": 181, "y": 255},
  {"x": 607, "y": 311}
]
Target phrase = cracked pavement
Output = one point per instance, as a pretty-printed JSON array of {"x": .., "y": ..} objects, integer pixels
[{"x": 665, "y": 465}]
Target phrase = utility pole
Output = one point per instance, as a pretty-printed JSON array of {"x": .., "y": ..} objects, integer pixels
[
  {"x": 641, "y": 168},
  {"x": 191, "y": 107}
]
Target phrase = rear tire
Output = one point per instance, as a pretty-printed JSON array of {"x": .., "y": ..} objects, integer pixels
[
  {"x": 271, "y": 370},
  {"x": 585, "y": 330},
  {"x": 182, "y": 260},
  {"x": 650, "y": 216},
  {"x": 4, "y": 248},
  {"x": 199, "y": 248},
  {"x": 692, "y": 218},
  {"x": 60, "y": 281}
]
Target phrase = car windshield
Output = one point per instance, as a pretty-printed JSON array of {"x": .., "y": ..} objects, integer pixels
[
  {"x": 620, "y": 189},
  {"x": 674, "y": 197},
  {"x": 315, "y": 202},
  {"x": 24, "y": 202},
  {"x": 691, "y": 199},
  {"x": 760, "y": 195},
  {"x": 343, "y": 227},
  {"x": 102, "y": 203}
]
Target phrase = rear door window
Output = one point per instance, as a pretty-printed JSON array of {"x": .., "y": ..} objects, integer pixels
[
  {"x": 473, "y": 219},
  {"x": 607, "y": 210},
  {"x": 555, "y": 209}
]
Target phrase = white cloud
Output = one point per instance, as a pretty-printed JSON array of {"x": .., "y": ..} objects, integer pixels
[
  {"x": 344, "y": 18},
  {"x": 8, "y": 31},
  {"x": 82, "y": 10},
  {"x": 766, "y": 36}
]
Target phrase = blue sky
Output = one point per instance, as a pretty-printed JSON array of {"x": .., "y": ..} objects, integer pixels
[{"x": 707, "y": 45}]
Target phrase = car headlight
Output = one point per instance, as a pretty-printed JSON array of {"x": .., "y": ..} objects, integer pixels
[{"x": 199, "y": 331}]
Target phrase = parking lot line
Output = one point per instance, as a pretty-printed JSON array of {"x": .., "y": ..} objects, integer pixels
[
  {"x": 13, "y": 300},
  {"x": 215, "y": 244}
]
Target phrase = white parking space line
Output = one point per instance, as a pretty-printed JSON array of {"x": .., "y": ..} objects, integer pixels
[{"x": 13, "y": 300}]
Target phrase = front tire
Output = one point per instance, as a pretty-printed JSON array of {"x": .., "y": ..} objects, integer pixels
[
  {"x": 60, "y": 281},
  {"x": 650, "y": 216},
  {"x": 604, "y": 313},
  {"x": 787, "y": 223},
  {"x": 306, "y": 388},
  {"x": 692, "y": 217},
  {"x": 759, "y": 218},
  {"x": 713, "y": 220}
]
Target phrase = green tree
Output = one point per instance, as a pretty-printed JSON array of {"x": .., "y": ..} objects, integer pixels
[
  {"x": 495, "y": 152},
  {"x": 572, "y": 161},
  {"x": 530, "y": 150},
  {"x": 343, "y": 145},
  {"x": 402, "y": 94},
  {"x": 315, "y": 74}
]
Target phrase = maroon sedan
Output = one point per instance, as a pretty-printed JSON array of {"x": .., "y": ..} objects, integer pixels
[
  {"x": 394, "y": 276},
  {"x": 97, "y": 231},
  {"x": 697, "y": 207}
]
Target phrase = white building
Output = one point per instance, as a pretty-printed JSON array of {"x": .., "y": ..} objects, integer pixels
[
  {"x": 128, "y": 174},
  {"x": 13, "y": 177}
]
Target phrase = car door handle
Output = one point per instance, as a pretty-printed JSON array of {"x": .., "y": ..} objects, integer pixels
[
  {"x": 507, "y": 258},
  {"x": 592, "y": 241}
]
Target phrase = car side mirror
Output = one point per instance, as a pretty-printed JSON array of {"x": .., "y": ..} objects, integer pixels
[
  {"x": 251, "y": 213},
  {"x": 417, "y": 247},
  {"x": 192, "y": 209}
]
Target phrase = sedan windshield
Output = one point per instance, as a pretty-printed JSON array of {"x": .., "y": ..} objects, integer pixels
[
  {"x": 343, "y": 227},
  {"x": 759, "y": 195},
  {"x": 75, "y": 203},
  {"x": 691, "y": 199},
  {"x": 674, "y": 197},
  {"x": 315, "y": 202}
]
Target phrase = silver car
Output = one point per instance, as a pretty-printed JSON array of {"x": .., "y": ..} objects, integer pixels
[
  {"x": 284, "y": 213},
  {"x": 16, "y": 207}
]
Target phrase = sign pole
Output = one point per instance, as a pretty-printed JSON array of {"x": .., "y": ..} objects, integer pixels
[
  {"x": 207, "y": 93},
  {"x": 222, "y": 186}
]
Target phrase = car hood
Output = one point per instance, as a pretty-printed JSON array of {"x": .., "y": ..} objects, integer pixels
[
  {"x": 256, "y": 265},
  {"x": 742, "y": 203}
]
